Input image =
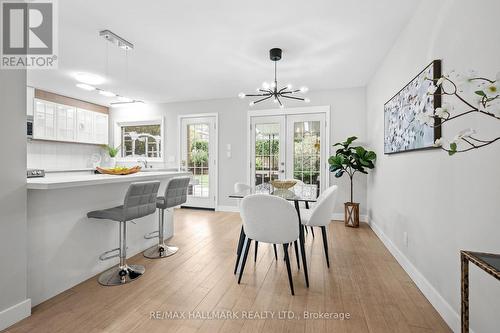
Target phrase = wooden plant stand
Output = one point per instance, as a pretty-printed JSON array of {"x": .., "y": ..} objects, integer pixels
[{"x": 351, "y": 214}]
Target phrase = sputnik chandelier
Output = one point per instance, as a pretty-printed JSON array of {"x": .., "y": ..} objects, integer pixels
[{"x": 271, "y": 91}]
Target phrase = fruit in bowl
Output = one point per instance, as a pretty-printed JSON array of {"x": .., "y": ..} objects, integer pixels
[
  {"x": 119, "y": 170},
  {"x": 283, "y": 184}
]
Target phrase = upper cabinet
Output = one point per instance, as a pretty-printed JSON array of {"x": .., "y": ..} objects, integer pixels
[
  {"x": 59, "y": 122},
  {"x": 84, "y": 126},
  {"x": 101, "y": 128},
  {"x": 44, "y": 120},
  {"x": 65, "y": 123}
]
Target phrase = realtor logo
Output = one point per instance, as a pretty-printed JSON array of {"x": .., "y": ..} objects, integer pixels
[{"x": 29, "y": 38}]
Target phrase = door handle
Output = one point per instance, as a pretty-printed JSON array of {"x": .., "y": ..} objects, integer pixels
[{"x": 282, "y": 171}]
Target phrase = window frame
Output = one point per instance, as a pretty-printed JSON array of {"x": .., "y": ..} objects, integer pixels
[{"x": 152, "y": 121}]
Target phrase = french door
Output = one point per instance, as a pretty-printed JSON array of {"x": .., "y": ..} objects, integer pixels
[
  {"x": 198, "y": 156},
  {"x": 289, "y": 147}
]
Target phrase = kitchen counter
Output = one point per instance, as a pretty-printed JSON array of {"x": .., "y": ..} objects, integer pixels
[
  {"x": 66, "y": 180},
  {"x": 64, "y": 245}
]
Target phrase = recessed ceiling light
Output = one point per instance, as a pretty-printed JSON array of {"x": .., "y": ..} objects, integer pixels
[
  {"x": 107, "y": 93},
  {"x": 89, "y": 78},
  {"x": 85, "y": 86}
]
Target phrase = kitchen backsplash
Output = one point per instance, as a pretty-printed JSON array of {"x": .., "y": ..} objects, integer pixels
[{"x": 60, "y": 156}]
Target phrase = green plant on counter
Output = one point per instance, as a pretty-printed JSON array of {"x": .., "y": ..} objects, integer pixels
[
  {"x": 112, "y": 151},
  {"x": 348, "y": 159}
]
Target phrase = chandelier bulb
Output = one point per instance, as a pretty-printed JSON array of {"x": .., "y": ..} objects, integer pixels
[
  {"x": 273, "y": 84},
  {"x": 241, "y": 95},
  {"x": 282, "y": 106},
  {"x": 265, "y": 85},
  {"x": 304, "y": 89},
  {"x": 307, "y": 100},
  {"x": 275, "y": 100},
  {"x": 251, "y": 103},
  {"x": 289, "y": 86}
]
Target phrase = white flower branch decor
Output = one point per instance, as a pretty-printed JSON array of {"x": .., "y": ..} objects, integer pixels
[{"x": 485, "y": 100}]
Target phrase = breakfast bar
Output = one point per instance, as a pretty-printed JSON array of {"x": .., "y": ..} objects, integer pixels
[{"x": 63, "y": 244}]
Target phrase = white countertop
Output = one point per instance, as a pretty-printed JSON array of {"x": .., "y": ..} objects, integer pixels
[{"x": 65, "y": 180}]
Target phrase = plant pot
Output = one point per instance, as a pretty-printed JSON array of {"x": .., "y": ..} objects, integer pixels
[
  {"x": 108, "y": 162},
  {"x": 351, "y": 214}
]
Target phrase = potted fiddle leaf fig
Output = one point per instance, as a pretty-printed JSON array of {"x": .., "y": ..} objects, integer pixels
[{"x": 349, "y": 160}]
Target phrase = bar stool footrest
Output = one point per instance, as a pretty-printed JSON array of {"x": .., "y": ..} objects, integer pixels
[
  {"x": 107, "y": 255},
  {"x": 152, "y": 234}
]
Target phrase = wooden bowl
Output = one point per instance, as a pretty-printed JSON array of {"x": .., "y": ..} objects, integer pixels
[
  {"x": 283, "y": 184},
  {"x": 125, "y": 171}
]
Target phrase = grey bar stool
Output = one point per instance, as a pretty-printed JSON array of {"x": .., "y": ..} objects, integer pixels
[
  {"x": 175, "y": 195},
  {"x": 140, "y": 201}
]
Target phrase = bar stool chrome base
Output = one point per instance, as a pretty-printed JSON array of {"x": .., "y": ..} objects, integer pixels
[
  {"x": 160, "y": 251},
  {"x": 118, "y": 275}
]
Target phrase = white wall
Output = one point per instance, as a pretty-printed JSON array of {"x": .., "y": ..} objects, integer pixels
[
  {"x": 347, "y": 118},
  {"x": 13, "y": 230},
  {"x": 444, "y": 203},
  {"x": 60, "y": 155}
]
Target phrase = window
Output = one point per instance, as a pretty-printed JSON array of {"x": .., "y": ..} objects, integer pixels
[{"x": 141, "y": 139}]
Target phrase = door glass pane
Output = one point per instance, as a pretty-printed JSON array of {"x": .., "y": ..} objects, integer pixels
[
  {"x": 198, "y": 158},
  {"x": 266, "y": 152},
  {"x": 306, "y": 152}
]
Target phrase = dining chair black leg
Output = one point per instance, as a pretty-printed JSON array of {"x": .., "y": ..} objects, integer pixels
[
  {"x": 296, "y": 246},
  {"x": 302, "y": 245},
  {"x": 289, "y": 270},
  {"x": 241, "y": 241},
  {"x": 245, "y": 255},
  {"x": 312, "y": 231},
  {"x": 275, "y": 252},
  {"x": 325, "y": 245},
  {"x": 305, "y": 228},
  {"x": 256, "y": 249}
]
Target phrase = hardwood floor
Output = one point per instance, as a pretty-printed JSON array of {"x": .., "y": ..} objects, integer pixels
[{"x": 364, "y": 280}]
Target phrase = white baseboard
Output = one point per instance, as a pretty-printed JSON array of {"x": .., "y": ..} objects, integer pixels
[
  {"x": 233, "y": 209},
  {"x": 450, "y": 316},
  {"x": 15, "y": 313}
]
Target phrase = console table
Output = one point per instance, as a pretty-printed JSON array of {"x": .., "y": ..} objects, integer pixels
[{"x": 488, "y": 262}]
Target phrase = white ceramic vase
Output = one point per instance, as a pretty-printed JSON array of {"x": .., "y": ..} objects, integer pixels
[{"x": 109, "y": 162}]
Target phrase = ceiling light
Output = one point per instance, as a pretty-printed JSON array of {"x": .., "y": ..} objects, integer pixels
[
  {"x": 89, "y": 78},
  {"x": 125, "y": 99},
  {"x": 117, "y": 40},
  {"x": 272, "y": 91},
  {"x": 107, "y": 93},
  {"x": 85, "y": 86}
]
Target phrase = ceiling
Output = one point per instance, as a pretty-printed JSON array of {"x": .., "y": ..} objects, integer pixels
[{"x": 194, "y": 50}]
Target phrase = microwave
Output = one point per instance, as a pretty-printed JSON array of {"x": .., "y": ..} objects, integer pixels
[{"x": 29, "y": 127}]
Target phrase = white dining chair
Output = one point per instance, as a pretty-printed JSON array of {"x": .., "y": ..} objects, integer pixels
[
  {"x": 238, "y": 188},
  {"x": 306, "y": 204},
  {"x": 321, "y": 215},
  {"x": 269, "y": 219}
]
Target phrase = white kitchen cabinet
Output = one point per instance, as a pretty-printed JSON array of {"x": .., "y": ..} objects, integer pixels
[
  {"x": 58, "y": 122},
  {"x": 65, "y": 123},
  {"x": 100, "y": 128},
  {"x": 44, "y": 120},
  {"x": 84, "y": 126}
]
